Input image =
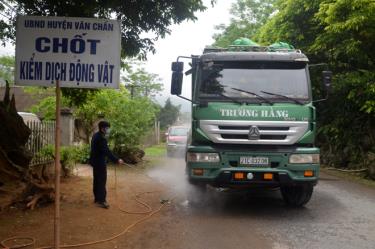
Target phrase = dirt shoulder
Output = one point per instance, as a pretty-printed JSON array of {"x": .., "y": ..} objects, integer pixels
[
  {"x": 81, "y": 220},
  {"x": 352, "y": 177}
]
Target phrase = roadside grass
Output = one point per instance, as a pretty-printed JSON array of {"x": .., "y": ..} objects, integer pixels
[
  {"x": 354, "y": 177},
  {"x": 153, "y": 155},
  {"x": 156, "y": 151}
]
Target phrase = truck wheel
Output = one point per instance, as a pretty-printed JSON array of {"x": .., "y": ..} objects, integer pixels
[{"x": 297, "y": 196}]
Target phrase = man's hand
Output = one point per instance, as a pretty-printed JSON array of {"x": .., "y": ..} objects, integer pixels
[{"x": 120, "y": 161}]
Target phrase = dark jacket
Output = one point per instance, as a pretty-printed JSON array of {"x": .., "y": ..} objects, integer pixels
[{"x": 99, "y": 151}]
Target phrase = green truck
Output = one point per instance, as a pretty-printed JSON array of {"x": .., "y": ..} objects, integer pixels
[{"x": 253, "y": 119}]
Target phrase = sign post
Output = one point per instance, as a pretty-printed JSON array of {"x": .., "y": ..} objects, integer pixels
[
  {"x": 57, "y": 167},
  {"x": 66, "y": 52}
]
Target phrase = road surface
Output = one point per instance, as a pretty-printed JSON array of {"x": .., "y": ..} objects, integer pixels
[{"x": 340, "y": 215}]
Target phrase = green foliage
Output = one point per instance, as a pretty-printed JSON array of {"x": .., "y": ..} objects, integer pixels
[
  {"x": 294, "y": 23},
  {"x": 87, "y": 114},
  {"x": 248, "y": 17},
  {"x": 69, "y": 156},
  {"x": 348, "y": 34},
  {"x": 48, "y": 151},
  {"x": 5, "y": 24},
  {"x": 168, "y": 114},
  {"x": 340, "y": 33},
  {"x": 47, "y": 107},
  {"x": 143, "y": 22},
  {"x": 130, "y": 118},
  {"x": 156, "y": 150},
  {"x": 75, "y": 97},
  {"x": 81, "y": 153},
  {"x": 140, "y": 83},
  {"x": 7, "y": 68}
]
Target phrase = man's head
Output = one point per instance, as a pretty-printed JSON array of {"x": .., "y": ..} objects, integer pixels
[{"x": 103, "y": 126}]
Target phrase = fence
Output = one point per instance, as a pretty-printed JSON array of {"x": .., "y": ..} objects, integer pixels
[{"x": 42, "y": 135}]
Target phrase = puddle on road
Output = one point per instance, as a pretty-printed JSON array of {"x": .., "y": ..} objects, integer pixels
[
  {"x": 216, "y": 205},
  {"x": 171, "y": 173}
]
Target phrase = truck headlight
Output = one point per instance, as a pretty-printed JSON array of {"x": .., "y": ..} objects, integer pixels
[
  {"x": 304, "y": 158},
  {"x": 203, "y": 157}
]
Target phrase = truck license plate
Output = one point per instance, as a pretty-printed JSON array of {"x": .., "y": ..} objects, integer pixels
[{"x": 256, "y": 161}]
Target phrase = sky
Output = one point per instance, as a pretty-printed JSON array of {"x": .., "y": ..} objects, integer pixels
[{"x": 187, "y": 38}]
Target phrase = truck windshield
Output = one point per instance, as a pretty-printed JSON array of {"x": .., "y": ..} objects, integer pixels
[{"x": 282, "y": 78}]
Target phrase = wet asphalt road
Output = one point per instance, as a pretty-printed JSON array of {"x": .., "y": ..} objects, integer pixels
[{"x": 340, "y": 215}]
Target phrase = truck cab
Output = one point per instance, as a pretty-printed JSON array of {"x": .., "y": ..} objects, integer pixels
[{"x": 253, "y": 120}]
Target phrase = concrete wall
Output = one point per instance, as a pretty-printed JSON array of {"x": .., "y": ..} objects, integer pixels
[{"x": 67, "y": 127}]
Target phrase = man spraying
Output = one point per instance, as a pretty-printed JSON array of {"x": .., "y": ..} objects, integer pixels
[{"x": 98, "y": 154}]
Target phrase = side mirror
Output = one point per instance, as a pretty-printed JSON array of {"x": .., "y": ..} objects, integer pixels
[
  {"x": 327, "y": 80},
  {"x": 177, "y": 77},
  {"x": 177, "y": 66},
  {"x": 176, "y": 84}
]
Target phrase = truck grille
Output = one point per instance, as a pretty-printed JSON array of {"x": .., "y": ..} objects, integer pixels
[
  {"x": 240, "y": 136},
  {"x": 270, "y": 132},
  {"x": 265, "y": 128}
]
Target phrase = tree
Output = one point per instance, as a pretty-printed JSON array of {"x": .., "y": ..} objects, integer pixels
[
  {"x": 46, "y": 108},
  {"x": 143, "y": 21},
  {"x": 130, "y": 119},
  {"x": 347, "y": 39},
  {"x": 168, "y": 114},
  {"x": 293, "y": 22},
  {"x": 141, "y": 83},
  {"x": 7, "y": 68},
  {"x": 340, "y": 33},
  {"x": 248, "y": 17}
]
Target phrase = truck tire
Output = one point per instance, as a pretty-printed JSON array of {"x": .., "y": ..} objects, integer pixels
[{"x": 298, "y": 195}]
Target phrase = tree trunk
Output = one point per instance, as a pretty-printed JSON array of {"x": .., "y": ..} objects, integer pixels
[{"x": 16, "y": 179}]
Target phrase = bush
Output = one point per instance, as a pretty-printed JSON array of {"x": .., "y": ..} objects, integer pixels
[
  {"x": 131, "y": 155},
  {"x": 67, "y": 160},
  {"x": 130, "y": 118},
  {"x": 69, "y": 156},
  {"x": 82, "y": 153}
]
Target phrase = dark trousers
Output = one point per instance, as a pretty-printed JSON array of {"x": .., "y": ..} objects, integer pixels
[{"x": 99, "y": 182}]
